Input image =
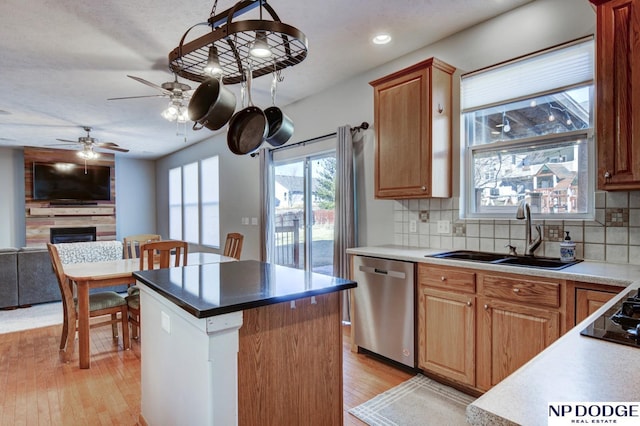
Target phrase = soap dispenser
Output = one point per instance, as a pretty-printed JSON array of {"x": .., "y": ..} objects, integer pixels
[{"x": 567, "y": 249}]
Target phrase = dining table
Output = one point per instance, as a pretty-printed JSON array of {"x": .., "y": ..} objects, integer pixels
[{"x": 90, "y": 275}]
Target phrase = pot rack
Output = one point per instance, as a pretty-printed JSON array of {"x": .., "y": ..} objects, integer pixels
[{"x": 233, "y": 39}]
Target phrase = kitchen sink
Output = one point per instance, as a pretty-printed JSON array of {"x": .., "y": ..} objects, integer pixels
[
  {"x": 477, "y": 256},
  {"x": 506, "y": 259}
]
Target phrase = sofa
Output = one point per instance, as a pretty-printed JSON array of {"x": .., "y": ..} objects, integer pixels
[{"x": 27, "y": 277}]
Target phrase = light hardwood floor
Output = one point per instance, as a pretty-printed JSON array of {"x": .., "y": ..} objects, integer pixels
[{"x": 37, "y": 389}]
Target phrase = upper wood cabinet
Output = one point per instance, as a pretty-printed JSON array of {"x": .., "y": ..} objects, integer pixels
[
  {"x": 412, "y": 116},
  {"x": 618, "y": 94}
]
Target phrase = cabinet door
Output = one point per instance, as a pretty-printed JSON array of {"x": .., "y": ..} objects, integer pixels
[
  {"x": 509, "y": 335},
  {"x": 618, "y": 94},
  {"x": 402, "y": 151},
  {"x": 589, "y": 301},
  {"x": 446, "y": 334}
]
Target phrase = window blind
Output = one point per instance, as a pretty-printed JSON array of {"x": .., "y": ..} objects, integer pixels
[{"x": 544, "y": 72}]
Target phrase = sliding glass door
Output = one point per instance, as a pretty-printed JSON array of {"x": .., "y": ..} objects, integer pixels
[{"x": 303, "y": 189}]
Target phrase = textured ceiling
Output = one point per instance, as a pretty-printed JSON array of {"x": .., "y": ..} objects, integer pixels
[{"x": 62, "y": 59}]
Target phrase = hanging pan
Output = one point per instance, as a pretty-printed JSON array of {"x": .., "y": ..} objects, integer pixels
[
  {"x": 280, "y": 127},
  {"x": 211, "y": 105},
  {"x": 247, "y": 127}
]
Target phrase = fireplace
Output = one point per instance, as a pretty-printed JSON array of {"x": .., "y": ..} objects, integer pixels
[{"x": 72, "y": 235}]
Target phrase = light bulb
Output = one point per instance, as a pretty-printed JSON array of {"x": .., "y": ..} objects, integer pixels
[
  {"x": 213, "y": 67},
  {"x": 171, "y": 113},
  {"x": 260, "y": 47},
  {"x": 506, "y": 127},
  {"x": 551, "y": 117}
]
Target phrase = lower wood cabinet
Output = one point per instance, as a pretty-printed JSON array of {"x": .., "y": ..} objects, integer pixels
[
  {"x": 509, "y": 335},
  {"x": 476, "y": 327},
  {"x": 447, "y": 329},
  {"x": 590, "y": 300}
]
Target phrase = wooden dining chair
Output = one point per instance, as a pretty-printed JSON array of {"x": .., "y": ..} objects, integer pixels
[
  {"x": 132, "y": 244},
  {"x": 154, "y": 255},
  {"x": 100, "y": 304},
  {"x": 233, "y": 245}
]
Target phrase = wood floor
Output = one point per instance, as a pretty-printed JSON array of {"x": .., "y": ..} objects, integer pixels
[{"x": 37, "y": 389}]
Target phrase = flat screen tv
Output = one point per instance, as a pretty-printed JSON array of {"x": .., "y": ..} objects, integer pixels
[{"x": 73, "y": 182}]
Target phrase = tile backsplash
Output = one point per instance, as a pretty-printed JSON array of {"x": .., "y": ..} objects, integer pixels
[{"x": 614, "y": 235}]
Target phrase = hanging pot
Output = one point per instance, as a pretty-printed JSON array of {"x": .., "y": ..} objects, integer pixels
[
  {"x": 211, "y": 105},
  {"x": 280, "y": 127},
  {"x": 248, "y": 127}
]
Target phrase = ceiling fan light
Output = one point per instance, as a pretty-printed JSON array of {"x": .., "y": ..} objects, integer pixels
[
  {"x": 213, "y": 67},
  {"x": 183, "y": 115},
  {"x": 87, "y": 154},
  {"x": 172, "y": 112},
  {"x": 260, "y": 47}
]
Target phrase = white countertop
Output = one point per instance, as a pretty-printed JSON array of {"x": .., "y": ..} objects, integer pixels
[{"x": 574, "y": 368}]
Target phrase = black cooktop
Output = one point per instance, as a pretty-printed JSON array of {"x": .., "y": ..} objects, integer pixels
[{"x": 620, "y": 324}]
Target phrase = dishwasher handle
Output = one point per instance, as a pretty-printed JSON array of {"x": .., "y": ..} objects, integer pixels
[{"x": 378, "y": 271}]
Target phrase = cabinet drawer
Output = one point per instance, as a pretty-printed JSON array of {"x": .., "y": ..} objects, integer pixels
[
  {"x": 447, "y": 278},
  {"x": 545, "y": 293}
]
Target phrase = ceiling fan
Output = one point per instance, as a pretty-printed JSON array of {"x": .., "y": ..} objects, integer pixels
[
  {"x": 88, "y": 143},
  {"x": 178, "y": 94}
]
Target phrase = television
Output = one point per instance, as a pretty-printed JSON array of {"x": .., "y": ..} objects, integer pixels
[{"x": 72, "y": 182}]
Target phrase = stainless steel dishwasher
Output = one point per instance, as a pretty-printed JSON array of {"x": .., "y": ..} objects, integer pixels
[{"x": 384, "y": 308}]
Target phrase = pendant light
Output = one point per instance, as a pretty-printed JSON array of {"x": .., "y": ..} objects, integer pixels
[{"x": 213, "y": 67}]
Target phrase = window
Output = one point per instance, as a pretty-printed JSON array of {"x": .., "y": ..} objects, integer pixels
[
  {"x": 528, "y": 134},
  {"x": 194, "y": 203}
]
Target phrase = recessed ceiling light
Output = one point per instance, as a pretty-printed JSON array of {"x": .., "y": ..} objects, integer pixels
[{"x": 381, "y": 39}]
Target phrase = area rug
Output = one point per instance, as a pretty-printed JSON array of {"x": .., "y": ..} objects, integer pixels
[
  {"x": 41, "y": 315},
  {"x": 419, "y": 401}
]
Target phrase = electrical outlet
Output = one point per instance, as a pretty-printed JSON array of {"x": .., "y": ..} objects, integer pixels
[
  {"x": 165, "y": 322},
  {"x": 413, "y": 226},
  {"x": 444, "y": 227}
]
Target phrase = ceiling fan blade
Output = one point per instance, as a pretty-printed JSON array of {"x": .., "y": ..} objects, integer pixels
[
  {"x": 62, "y": 144},
  {"x": 137, "y": 97},
  {"x": 114, "y": 148},
  {"x": 150, "y": 84},
  {"x": 67, "y": 140}
]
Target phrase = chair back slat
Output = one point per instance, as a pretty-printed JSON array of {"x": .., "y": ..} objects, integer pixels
[
  {"x": 233, "y": 245},
  {"x": 132, "y": 244},
  {"x": 157, "y": 254}
]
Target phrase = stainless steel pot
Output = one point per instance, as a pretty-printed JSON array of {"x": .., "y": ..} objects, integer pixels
[{"x": 211, "y": 105}]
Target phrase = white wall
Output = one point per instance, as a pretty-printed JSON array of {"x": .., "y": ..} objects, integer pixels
[
  {"x": 12, "y": 221},
  {"x": 135, "y": 197}
]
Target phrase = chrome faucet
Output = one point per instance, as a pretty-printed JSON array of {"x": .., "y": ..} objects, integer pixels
[{"x": 524, "y": 212}]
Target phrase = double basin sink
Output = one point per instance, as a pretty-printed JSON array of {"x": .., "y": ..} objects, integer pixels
[{"x": 506, "y": 259}]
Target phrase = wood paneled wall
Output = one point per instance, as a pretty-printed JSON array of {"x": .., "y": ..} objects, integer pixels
[{"x": 41, "y": 216}]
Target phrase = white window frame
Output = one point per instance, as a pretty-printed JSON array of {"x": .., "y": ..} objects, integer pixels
[
  {"x": 207, "y": 201},
  {"x": 495, "y": 99}
]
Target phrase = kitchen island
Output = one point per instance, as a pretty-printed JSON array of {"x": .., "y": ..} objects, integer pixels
[{"x": 240, "y": 343}]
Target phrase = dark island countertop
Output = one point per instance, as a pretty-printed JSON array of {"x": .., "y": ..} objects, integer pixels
[{"x": 219, "y": 288}]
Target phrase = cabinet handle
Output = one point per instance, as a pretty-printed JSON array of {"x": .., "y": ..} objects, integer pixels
[
  {"x": 486, "y": 307},
  {"x": 443, "y": 278},
  {"x": 424, "y": 188},
  {"x": 440, "y": 108},
  {"x": 469, "y": 303},
  {"x": 608, "y": 175},
  {"x": 516, "y": 290}
]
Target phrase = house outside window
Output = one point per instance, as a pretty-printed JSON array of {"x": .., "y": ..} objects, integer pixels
[
  {"x": 194, "y": 202},
  {"x": 528, "y": 134}
]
